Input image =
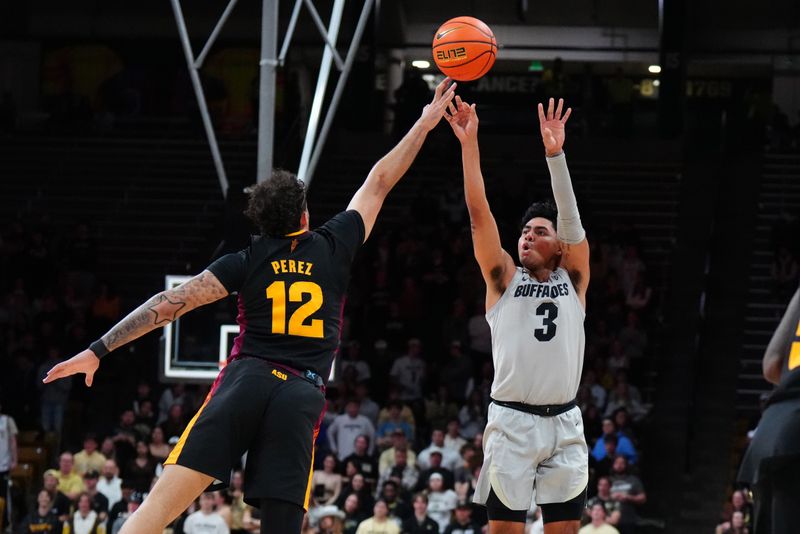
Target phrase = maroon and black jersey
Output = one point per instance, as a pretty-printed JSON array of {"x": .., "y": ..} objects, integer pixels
[{"x": 291, "y": 292}]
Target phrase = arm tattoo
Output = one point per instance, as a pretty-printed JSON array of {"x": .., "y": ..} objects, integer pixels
[{"x": 164, "y": 308}]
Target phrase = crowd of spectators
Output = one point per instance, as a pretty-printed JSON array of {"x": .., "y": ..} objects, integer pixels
[{"x": 401, "y": 442}]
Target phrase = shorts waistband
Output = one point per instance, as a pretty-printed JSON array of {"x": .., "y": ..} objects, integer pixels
[
  {"x": 544, "y": 410},
  {"x": 307, "y": 375}
]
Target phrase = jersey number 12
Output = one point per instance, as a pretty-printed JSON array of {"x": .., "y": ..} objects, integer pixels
[
  {"x": 276, "y": 292},
  {"x": 549, "y": 313}
]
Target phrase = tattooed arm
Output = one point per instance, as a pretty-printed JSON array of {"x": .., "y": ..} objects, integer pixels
[{"x": 158, "y": 311}]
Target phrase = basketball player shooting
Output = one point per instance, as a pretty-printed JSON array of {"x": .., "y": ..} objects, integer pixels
[
  {"x": 533, "y": 441},
  {"x": 269, "y": 399}
]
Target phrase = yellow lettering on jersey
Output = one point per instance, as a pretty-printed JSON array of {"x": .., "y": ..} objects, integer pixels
[
  {"x": 280, "y": 375},
  {"x": 300, "y": 266},
  {"x": 308, "y": 268},
  {"x": 276, "y": 266},
  {"x": 283, "y": 266},
  {"x": 292, "y": 266}
]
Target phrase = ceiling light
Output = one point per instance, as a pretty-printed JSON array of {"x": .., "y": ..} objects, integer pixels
[
  {"x": 421, "y": 63},
  {"x": 654, "y": 69}
]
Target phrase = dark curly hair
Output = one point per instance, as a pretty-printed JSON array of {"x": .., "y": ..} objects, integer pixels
[
  {"x": 275, "y": 206},
  {"x": 545, "y": 210}
]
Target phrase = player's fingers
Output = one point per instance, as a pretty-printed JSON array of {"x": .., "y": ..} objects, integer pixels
[
  {"x": 453, "y": 110},
  {"x": 59, "y": 371},
  {"x": 89, "y": 379},
  {"x": 541, "y": 113},
  {"x": 566, "y": 115},
  {"x": 440, "y": 88},
  {"x": 550, "y": 109},
  {"x": 559, "y": 108},
  {"x": 458, "y": 102}
]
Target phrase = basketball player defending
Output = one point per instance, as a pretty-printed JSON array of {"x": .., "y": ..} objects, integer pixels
[
  {"x": 771, "y": 465},
  {"x": 534, "y": 437},
  {"x": 269, "y": 399}
]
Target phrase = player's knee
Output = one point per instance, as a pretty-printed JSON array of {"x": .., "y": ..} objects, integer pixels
[{"x": 571, "y": 510}]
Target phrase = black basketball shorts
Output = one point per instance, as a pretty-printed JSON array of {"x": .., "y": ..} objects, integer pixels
[{"x": 260, "y": 408}]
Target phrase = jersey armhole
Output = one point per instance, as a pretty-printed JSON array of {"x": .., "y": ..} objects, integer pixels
[{"x": 491, "y": 312}]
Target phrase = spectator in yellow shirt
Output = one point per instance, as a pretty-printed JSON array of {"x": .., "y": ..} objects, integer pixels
[
  {"x": 69, "y": 482},
  {"x": 89, "y": 459}
]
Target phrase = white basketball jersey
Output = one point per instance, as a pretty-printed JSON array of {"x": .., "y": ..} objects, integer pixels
[{"x": 537, "y": 340}]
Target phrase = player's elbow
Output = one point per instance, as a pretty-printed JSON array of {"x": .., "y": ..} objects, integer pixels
[{"x": 771, "y": 368}]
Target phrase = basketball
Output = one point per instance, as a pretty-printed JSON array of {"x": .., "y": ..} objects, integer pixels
[{"x": 464, "y": 48}]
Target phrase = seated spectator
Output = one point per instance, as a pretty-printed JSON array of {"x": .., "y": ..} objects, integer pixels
[
  {"x": 69, "y": 482},
  {"x": 420, "y": 522},
  {"x": 735, "y": 526},
  {"x": 367, "y": 407},
  {"x": 352, "y": 358},
  {"x": 159, "y": 448},
  {"x": 406, "y": 413},
  {"x": 110, "y": 484},
  {"x": 53, "y": 398},
  {"x": 222, "y": 504},
  {"x": 462, "y": 522},
  {"x": 393, "y": 423},
  {"x": 622, "y": 422},
  {"x": 127, "y": 495},
  {"x": 450, "y": 459},
  {"x": 401, "y": 473},
  {"x": 592, "y": 424},
  {"x": 457, "y": 373},
  {"x": 238, "y": 505},
  {"x": 435, "y": 466},
  {"x": 379, "y": 523},
  {"x": 453, "y": 439},
  {"x": 603, "y": 468},
  {"x": 622, "y": 397},
  {"x": 89, "y": 459},
  {"x": 471, "y": 416},
  {"x": 441, "y": 501},
  {"x": 632, "y": 337},
  {"x": 175, "y": 394},
  {"x": 410, "y": 371},
  {"x": 440, "y": 408},
  {"x": 327, "y": 520},
  {"x": 327, "y": 483},
  {"x": 98, "y": 501},
  {"x": 400, "y": 442},
  {"x": 623, "y": 445},
  {"x": 131, "y": 504},
  {"x": 142, "y": 469},
  {"x": 603, "y": 498},
  {"x": 392, "y": 494},
  {"x": 43, "y": 519},
  {"x": 85, "y": 520},
  {"x": 365, "y": 463},
  {"x": 639, "y": 295},
  {"x": 59, "y": 503},
  {"x": 462, "y": 476},
  {"x": 346, "y": 428},
  {"x": 175, "y": 422},
  {"x": 358, "y": 487},
  {"x": 352, "y": 514},
  {"x": 124, "y": 436},
  {"x": 598, "y": 525},
  {"x": 145, "y": 418},
  {"x": 738, "y": 503},
  {"x": 599, "y": 393},
  {"x": 205, "y": 520},
  {"x": 627, "y": 490}
]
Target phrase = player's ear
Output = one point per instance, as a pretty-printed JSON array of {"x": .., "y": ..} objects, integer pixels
[{"x": 305, "y": 219}]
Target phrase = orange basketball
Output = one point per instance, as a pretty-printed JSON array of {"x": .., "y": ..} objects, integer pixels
[{"x": 464, "y": 48}]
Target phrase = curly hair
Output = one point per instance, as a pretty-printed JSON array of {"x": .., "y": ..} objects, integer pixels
[
  {"x": 275, "y": 206},
  {"x": 545, "y": 210}
]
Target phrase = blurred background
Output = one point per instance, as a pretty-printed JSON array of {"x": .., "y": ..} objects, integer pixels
[{"x": 684, "y": 147}]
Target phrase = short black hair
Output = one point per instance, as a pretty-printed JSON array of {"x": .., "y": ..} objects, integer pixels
[
  {"x": 275, "y": 206},
  {"x": 546, "y": 210}
]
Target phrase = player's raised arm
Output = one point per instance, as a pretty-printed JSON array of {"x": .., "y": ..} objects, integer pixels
[
  {"x": 156, "y": 312},
  {"x": 496, "y": 264},
  {"x": 780, "y": 345},
  {"x": 369, "y": 198},
  {"x": 575, "y": 247}
]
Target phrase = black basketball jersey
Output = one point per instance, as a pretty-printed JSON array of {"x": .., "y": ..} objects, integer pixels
[
  {"x": 291, "y": 292},
  {"x": 789, "y": 384}
]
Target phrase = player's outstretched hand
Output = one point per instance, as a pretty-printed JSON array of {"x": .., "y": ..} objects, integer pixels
[
  {"x": 85, "y": 362},
  {"x": 432, "y": 113},
  {"x": 463, "y": 120},
  {"x": 552, "y": 127}
]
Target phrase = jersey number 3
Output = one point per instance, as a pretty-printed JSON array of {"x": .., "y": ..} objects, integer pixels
[
  {"x": 549, "y": 313},
  {"x": 276, "y": 292}
]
